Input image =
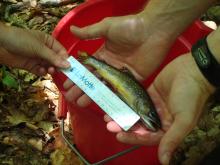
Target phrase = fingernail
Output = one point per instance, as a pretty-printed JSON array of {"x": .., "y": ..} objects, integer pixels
[
  {"x": 66, "y": 85},
  {"x": 165, "y": 158}
]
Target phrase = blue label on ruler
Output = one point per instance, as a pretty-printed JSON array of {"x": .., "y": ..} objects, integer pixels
[{"x": 110, "y": 103}]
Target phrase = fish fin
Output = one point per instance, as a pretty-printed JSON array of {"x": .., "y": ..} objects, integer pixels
[
  {"x": 82, "y": 56},
  {"x": 126, "y": 71},
  {"x": 149, "y": 118}
]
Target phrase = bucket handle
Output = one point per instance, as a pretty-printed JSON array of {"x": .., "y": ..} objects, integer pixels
[{"x": 73, "y": 147}]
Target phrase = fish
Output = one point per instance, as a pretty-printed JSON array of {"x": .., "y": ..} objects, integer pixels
[{"x": 127, "y": 88}]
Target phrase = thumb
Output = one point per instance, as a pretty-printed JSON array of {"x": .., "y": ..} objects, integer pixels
[
  {"x": 91, "y": 32},
  {"x": 58, "y": 59},
  {"x": 46, "y": 47},
  {"x": 181, "y": 126}
]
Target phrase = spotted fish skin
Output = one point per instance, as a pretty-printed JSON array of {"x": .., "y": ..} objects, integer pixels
[{"x": 127, "y": 88}]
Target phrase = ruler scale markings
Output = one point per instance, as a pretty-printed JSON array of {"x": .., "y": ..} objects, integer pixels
[{"x": 110, "y": 103}]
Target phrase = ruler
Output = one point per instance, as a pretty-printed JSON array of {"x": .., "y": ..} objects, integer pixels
[{"x": 107, "y": 100}]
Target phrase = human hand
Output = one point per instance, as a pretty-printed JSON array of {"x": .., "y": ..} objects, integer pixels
[
  {"x": 131, "y": 41},
  {"x": 31, "y": 50},
  {"x": 179, "y": 92}
]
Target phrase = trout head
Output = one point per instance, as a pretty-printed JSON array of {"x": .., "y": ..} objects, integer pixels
[{"x": 148, "y": 115}]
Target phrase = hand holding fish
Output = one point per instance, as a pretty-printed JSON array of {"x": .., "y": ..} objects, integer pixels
[
  {"x": 179, "y": 92},
  {"x": 128, "y": 44},
  {"x": 34, "y": 51},
  {"x": 138, "y": 42}
]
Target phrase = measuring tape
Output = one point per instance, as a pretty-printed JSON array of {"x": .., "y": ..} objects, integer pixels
[{"x": 108, "y": 101}]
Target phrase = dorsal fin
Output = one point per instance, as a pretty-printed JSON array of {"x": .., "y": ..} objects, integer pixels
[
  {"x": 82, "y": 56},
  {"x": 128, "y": 72}
]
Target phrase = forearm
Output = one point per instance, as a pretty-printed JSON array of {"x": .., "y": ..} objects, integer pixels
[
  {"x": 3, "y": 53},
  {"x": 5, "y": 36},
  {"x": 9, "y": 34},
  {"x": 213, "y": 41},
  {"x": 174, "y": 16},
  {"x": 4, "y": 30}
]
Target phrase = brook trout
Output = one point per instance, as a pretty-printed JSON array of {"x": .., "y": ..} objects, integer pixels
[{"x": 127, "y": 88}]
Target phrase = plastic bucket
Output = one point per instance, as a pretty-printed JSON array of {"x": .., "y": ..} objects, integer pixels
[{"x": 90, "y": 135}]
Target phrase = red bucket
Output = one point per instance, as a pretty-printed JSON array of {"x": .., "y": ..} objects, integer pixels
[{"x": 90, "y": 135}]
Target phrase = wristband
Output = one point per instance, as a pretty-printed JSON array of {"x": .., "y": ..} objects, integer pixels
[{"x": 206, "y": 62}]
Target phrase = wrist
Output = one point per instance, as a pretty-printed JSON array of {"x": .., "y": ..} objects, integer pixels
[
  {"x": 161, "y": 22},
  {"x": 206, "y": 62},
  {"x": 213, "y": 40},
  {"x": 154, "y": 31},
  {"x": 196, "y": 74}
]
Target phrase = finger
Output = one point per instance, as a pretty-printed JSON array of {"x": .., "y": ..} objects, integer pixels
[
  {"x": 84, "y": 101},
  {"x": 51, "y": 70},
  {"x": 38, "y": 70},
  {"x": 138, "y": 128},
  {"x": 52, "y": 43},
  {"x": 179, "y": 129},
  {"x": 67, "y": 84},
  {"x": 33, "y": 66},
  {"x": 42, "y": 71},
  {"x": 91, "y": 32},
  {"x": 159, "y": 103},
  {"x": 45, "y": 50},
  {"x": 186, "y": 106},
  {"x": 112, "y": 126},
  {"x": 142, "y": 137},
  {"x": 73, "y": 94},
  {"x": 107, "y": 118},
  {"x": 49, "y": 55},
  {"x": 56, "y": 46}
]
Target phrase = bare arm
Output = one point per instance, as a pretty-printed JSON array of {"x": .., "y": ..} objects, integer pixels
[
  {"x": 213, "y": 42},
  {"x": 174, "y": 16},
  {"x": 31, "y": 50}
]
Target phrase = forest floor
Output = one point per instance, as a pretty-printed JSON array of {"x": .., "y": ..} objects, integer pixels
[{"x": 29, "y": 129}]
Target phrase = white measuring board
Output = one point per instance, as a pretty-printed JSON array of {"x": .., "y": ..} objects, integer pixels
[{"x": 110, "y": 103}]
